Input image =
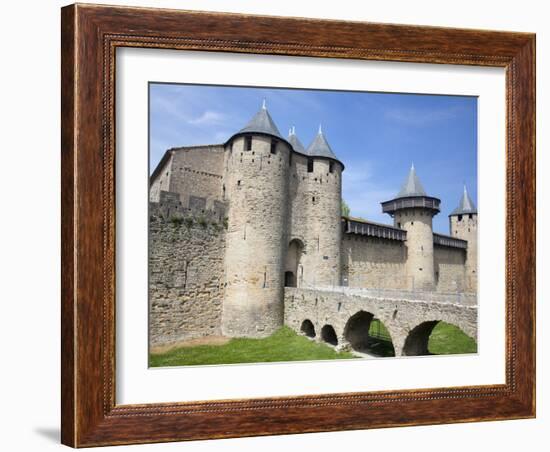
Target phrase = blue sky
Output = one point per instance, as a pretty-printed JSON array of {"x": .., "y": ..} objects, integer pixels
[{"x": 376, "y": 135}]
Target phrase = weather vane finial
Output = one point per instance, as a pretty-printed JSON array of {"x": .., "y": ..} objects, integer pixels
[
  {"x": 263, "y": 104},
  {"x": 320, "y": 128}
]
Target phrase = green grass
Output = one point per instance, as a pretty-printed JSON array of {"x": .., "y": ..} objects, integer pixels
[
  {"x": 286, "y": 345},
  {"x": 447, "y": 339},
  {"x": 283, "y": 345},
  {"x": 380, "y": 340}
]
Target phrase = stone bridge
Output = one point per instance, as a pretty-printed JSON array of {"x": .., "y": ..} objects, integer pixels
[{"x": 341, "y": 316}]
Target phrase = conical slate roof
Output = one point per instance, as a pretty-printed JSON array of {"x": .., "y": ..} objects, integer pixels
[
  {"x": 295, "y": 141},
  {"x": 411, "y": 186},
  {"x": 319, "y": 147},
  {"x": 466, "y": 205},
  {"x": 262, "y": 122}
]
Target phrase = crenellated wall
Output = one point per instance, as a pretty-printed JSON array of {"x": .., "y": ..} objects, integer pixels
[{"x": 186, "y": 275}]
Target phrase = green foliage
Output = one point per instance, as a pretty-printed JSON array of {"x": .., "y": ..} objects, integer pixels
[
  {"x": 176, "y": 221},
  {"x": 189, "y": 222},
  {"x": 345, "y": 209},
  {"x": 448, "y": 339},
  {"x": 283, "y": 345},
  {"x": 225, "y": 222},
  {"x": 202, "y": 221}
]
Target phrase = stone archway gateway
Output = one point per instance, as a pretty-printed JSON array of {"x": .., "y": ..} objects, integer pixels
[{"x": 292, "y": 263}]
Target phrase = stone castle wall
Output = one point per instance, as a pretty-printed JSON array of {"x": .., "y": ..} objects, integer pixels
[
  {"x": 449, "y": 266},
  {"x": 186, "y": 273},
  {"x": 373, "y": 262},
  {"x": 198, "y": 172}
]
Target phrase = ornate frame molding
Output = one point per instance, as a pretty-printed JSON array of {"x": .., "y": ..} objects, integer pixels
[{"x": 90, "y": 36}]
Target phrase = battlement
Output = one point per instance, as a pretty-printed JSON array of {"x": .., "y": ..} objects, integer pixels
[{"x": 170, "y": 206}]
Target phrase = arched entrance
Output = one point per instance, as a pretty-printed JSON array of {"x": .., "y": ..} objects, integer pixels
[
  {"x": 307, "y": 328},
  {"x": 292, "y": 264},
  {"x": 366, "y": 334},
  {"x": 328, "y": 335},
  {"x": 438, "y": 338}
]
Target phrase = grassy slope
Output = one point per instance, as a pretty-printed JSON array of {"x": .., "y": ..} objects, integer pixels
[{"x": 284, "y": 345}]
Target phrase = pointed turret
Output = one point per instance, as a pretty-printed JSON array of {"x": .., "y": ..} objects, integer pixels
[
  {"x": 412, "y": 185},
  {"x": 412, "y": 210},
  {"x": 319, "y": 147},
  {"x": 262, "y": 123},
  {"x": 411, "y": 195},
  {"x": 295, "y": 141},
  {"x": 466, "y": 205}
]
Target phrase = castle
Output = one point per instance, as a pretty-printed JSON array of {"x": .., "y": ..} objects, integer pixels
[{"x": 233, "y": 224}]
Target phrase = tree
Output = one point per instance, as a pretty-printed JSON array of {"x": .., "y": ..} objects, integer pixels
[{"x": 345, "y": 209}]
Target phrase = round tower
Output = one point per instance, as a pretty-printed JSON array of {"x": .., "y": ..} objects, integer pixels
[
  {"x": 463, "y": 225},
  {"x": 413, "y": 210},
  {"x": 322, "y": 203},
  {"x": 256, "y": 187}
]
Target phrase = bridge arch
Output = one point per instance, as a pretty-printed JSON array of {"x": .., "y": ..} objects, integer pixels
[
  {"x": 307, "y": 328},
  {"x": 358, "y": 333},
  {"x": 417, "y": 341},
  {"x": 328, "y": 335}
]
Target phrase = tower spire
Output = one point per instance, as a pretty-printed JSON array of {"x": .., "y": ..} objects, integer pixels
[
  {"x": 465, "y": 205},
  {"x": 264, "y": 107}
]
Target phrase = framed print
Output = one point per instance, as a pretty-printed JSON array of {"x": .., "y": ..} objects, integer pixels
[{"x": 282, "y": 225}]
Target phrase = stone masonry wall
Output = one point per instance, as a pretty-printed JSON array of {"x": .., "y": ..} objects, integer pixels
[
  {"x": 449, "y": 265},
  {"x": 373, "y": 262},
  {"x": 186, "y": 268},
  {"x": 197, "y": 171}
]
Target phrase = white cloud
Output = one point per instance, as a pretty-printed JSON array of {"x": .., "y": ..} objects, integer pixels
[{"x": 209, "y": 117}]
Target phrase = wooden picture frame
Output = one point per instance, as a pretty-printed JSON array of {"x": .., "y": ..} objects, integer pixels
[{"x": 90, "y": 36}]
